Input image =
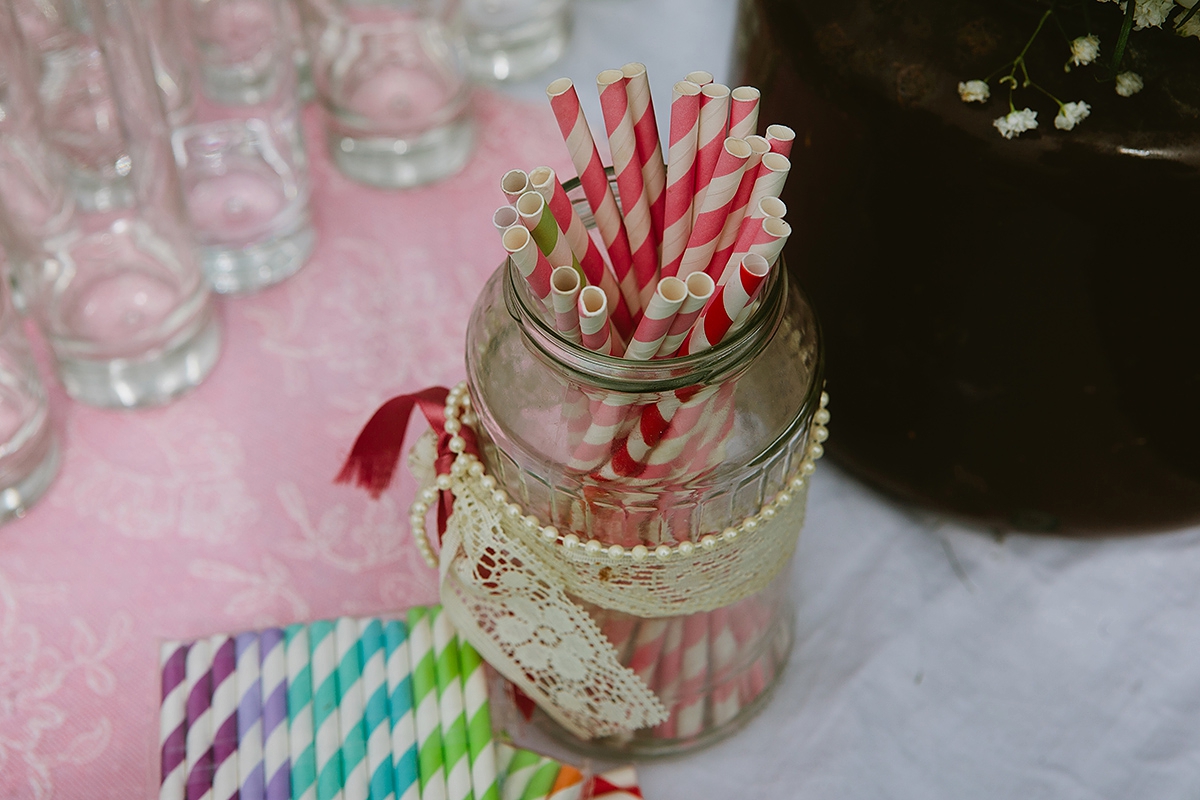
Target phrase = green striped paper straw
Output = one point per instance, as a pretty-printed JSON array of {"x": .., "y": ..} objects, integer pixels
[
  {"x": 326, "y": 733},
  {"x": 504, "y": 756},
  {"x": 351, "y": 703},
  {"x": 520, "y": 772},
  {"x": 400, "y": 701},
  {"x": 300, "y": 713},
  {"x": 542, "y": 779},
  {"x": 376, "y": 713},
  {"x": 480, "y": 740},
  {"x": 457, "y": 761},
  {"x": 425, "y": 703}
]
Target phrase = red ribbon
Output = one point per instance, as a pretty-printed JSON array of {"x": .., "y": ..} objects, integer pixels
[{"x": 376, "y": 452}]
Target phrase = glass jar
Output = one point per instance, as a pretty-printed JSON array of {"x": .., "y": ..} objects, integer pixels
[
  {"x": 679, "y": 555},
  {"x": 1008, "y": 342}
]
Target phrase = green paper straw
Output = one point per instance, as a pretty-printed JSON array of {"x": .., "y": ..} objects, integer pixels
[
  {"x": 456, "y": 760},
  {"x": 520, "y": 772},
  {"x": 480, "y": 740},
  {"x": 542, "y": 779},
  {"x": 425, "y": 702}
]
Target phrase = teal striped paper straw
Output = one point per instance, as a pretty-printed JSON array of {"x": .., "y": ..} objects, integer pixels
[
  {"x": 542, "y": 779},
  {"x": 356, "y": 783},
  {"x": 376, "y": 711},
  {"x": 301, "y": 750},
  {"x": 480, "y": 739},
  {"x": 450, "y": 706},
  {"x": 520, "y": 772},
  {"x": 327, "y": 736},
  {"x": 425, "y": 705},
  {"x": 400, "y": 702}
]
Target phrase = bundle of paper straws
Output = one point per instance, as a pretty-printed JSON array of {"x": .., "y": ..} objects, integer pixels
[{"x": 346, "y": 709}]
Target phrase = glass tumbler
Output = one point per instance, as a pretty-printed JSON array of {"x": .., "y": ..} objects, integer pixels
[
  {"x": 393, "y": 82},
  {"x": 510, "y": 40},
  {"x": 665, "y": 497},
  {"x": 118, "y": 292}
]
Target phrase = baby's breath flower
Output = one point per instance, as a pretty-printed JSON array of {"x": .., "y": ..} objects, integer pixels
[
  {"x": 1071, "y": 114},
  {"x": 1191, "y": 27},
  {"x": 1014, "y": 123},
  {"x": 1151, "y": 13},
  {"x": 1084, "y": 50},
  {"x": 974, "y": 91},
  {"x": 1129, "y": 84}
]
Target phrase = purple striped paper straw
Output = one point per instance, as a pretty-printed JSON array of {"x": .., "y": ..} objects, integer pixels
[
  {"x": 198, "y": 680},
  {"x": 225, "y": 717},
  {"x": 172, "y": 721},
  {"x": 249, "y": 718},
  {"x": 276, "y": 763}
]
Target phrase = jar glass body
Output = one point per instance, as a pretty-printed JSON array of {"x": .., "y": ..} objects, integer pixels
[
  {"x": 739, "y": 422},
  {"x": 1008, "y": 343}
]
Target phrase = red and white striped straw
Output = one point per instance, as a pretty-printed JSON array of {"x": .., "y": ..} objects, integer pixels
[
  {"x": 751, "y": 232},
  {"x": 504, "y": 218},
  {"x": 781, "y": 138},
  {"x": 689, "y": 714},
  {"x": 514, "y": 183},
  {"x": 681, "y": 176},
  {"x": 714, "y": 206},
  {"x": 711, "y": 135},
  {"x": 737, "y": 209},
  {"x": 772, "y": 175},
  {"x": 564, "y": 297},
  {"x": 769, "y": 244},
  {"x": 743, "y": 111},
  {"x": 545, "y": 182},
  {"x": 726, "y": 304},
  {"x": 656, "y": 322},
  {"x": 594, "y": 328},
  {"x": 722, "y": 656},
  {"x": 700, "y": 288},
  {"x": 666, "y": 681},
  {"x": 535, "y": 216},
  {"x": 649, "y": 146},
  {"x": 618, "y": 121},
  {"x": 648, "y": 647},
  {"x": 564, "y": 102},
  {"x": 700, "y": 77},
  {"x": 530, "y": 261}
]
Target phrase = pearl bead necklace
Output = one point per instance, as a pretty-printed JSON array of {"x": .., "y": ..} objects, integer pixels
[{"x": 466, "y": 464}]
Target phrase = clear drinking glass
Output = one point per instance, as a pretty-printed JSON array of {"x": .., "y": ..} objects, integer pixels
[
  {"x": 242, "y": 162},
  {"x": 679, "y": 555},
  {"x": 118, "y": 292},
  {"x": 510, "y": 40},
  {"x": 393, "y": 82}
]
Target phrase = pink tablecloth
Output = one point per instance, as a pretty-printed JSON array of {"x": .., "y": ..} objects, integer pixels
[{"x": 218, "y": 513}]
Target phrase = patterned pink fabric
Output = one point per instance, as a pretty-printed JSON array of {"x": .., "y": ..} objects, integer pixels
[{"x": 219, "y": 513}]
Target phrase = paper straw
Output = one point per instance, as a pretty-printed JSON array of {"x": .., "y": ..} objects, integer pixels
[
  {"x": 376, "y": 709},
  {"x": 722, "y": 655},
  {"x": 356, "y": 776},
  {"x": 430, "y": 756},
  {"x": 301, "y": 747},
  {"x": 649, "y": 146},
  {"x": 690, "y": 711},
  {"x": 781, "y": 138},
  {"x": 542, "y": 779},
  {"x": 529, "y": 260},
  {"x": 743, "y": 111},
  {"x": 726, "y": 303},
  {"x": 225, "y": 717},
  {"x": 681, "y": 177},
  {"x": 714, "y": 206},
  {"x": 504, "y": 757},
  {"x": 456, "y": 759},
  {"x": 617, "y": 784},
  {"x": 700, "y": 288},
  {"x": 710, "y": 137},
  {"x": 568, "y": 784},
  {"x": 327, "y": 736},
  {"x": 400, "y": 695},
  {"x": 618, "y": 121},
  {"x": 273, "y": 675},
  {"x": 666, "y": 679},
  {"x": 648, "y": 649},
  {"x": 514, "y": 183},
  {"x": 594, "y": 329},
  {"x": 545, "y": 182},
  {"x": 564, "y": 102},
  {"x": 521, "y": 769},
  {"x": 199, "y": 742},
  {"x": 619, "y": 628},
  {"x": 775, "y": 233},
  {"x": 700, "y": 77},
  {"x": 535, "y": 215},
  {"x": 564, "y": 298},
  {"x": 738, "y": 208},
  {"x": 172, "y": 721},
  {"x": 768, "y": 181},
  {"x": 656, "y": 322},
  {"x": 752, "y": 232},
  {"x": 251, "y": 781},
  {"x": 505, "y": 217},
  {"x": 480, "y": 740}
]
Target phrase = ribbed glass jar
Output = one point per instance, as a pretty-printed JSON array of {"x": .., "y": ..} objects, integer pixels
[{"x": 728, "y": 474}]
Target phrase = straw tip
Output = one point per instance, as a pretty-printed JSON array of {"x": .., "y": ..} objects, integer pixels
[
  {"x": 609, "y": 76},
  {"x": 559, "y": 86}
]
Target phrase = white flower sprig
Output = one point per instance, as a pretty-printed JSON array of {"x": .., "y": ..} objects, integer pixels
[
  {"x": 974, "y": 91},
  {"x": 1071, "y": 114},
  {"x": 1014, "y": 123},
  {"x": 1129, "y": 84},
  {"x": 1083, "y": 51}
]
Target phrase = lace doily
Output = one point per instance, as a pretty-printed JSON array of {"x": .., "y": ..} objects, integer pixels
[{"x": 508, "y": 582}]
